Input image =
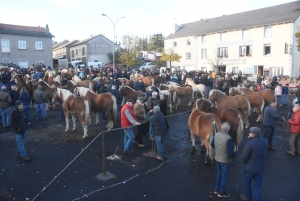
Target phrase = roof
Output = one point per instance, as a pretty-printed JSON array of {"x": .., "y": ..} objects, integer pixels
[
  {"x": 283, "y": 13},
  {"x": 87, "y": 39},
  {"x": 67, "y": 44},
  {"x": 59, "y": 44},
  {"x": 25, "y": 30}
]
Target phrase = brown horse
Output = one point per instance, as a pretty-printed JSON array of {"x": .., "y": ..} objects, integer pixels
[
  {"x": 268, "y": 95},
  {"x": 254, "y": 100},
  {"x": 47, "y": 90},
  {"x": 233, "y": 102},
  {"x": 232, "y": 116},
  {"x": 73, "y": 104},
  {"x": 149, "y": 80},
  {"x": 205, "y": 125},
  {"x": 101, "y": 102},
  {"x": 91, "y": 85},
  {"x": 129, "y": 93},
  {"x": 182, "y": 91}
]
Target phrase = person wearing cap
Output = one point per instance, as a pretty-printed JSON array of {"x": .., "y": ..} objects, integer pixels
[
  {"x": 269, "y": 123},
  {"x": 294, "y": 141},
  {"x": 5, "y": 103},
  {"x": 14, "y": 94},
  {"x": 163, "y": 108},
  {"x": 156, "y": 117},
  {"x": 153, "y": 101},
  {"x": 140, "y": 113},
  {"x": 116, "y": 93},
  {"x": 224, "y": 152},
  {"x": 128, "y": 119},
  {"x": 254, "y": 158},
  {"x": 20, "y": 126},
  {"x": 39, "y": 100},
  {"x": 26, "y": 99}
]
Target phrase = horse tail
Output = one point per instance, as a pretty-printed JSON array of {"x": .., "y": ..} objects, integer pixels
[
  {"x": 87, "y": 111},
  {"x": 249, "y": 108},
  {"x": 239, "y": 132},
  {"x": 262, "y": 106},
  {"x": 114, "y": 108}
]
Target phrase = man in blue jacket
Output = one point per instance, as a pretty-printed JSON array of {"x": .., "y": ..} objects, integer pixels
[
  {"x": 269, "y": 123},
  {"x": 254, "y": 157}
]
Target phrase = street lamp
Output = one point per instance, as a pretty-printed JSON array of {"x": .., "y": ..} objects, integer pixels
[{"x": 114, "y": 25}]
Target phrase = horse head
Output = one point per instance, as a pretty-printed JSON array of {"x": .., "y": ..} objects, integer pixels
[{"x": 212, "y": 96}]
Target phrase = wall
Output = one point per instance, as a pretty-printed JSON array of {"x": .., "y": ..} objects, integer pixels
[{"x": 29, "y": 53}]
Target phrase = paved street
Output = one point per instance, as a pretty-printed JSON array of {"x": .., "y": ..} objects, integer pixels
[{"x": 183, "y": 176}]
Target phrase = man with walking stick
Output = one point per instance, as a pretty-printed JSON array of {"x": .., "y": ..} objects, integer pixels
[{"x": 295, "y": 131}]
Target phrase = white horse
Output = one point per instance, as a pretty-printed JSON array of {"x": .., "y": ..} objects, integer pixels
[{"x": 196, "y": 87}]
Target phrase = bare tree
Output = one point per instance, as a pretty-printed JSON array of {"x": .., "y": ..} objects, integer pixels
[{"x": 214, "y": 60}]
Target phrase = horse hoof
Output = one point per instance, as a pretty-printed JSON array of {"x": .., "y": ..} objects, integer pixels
[
  {"x": 66, "y": 131},
  {"x": 85, "y": 137},
  {"x": 74, "y": 129},
  {"x": 192, "y": 150},
  {"x": 97, "y": 123}
]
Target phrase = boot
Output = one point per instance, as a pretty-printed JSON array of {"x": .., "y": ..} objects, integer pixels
[
  {"x": 244, "y": 197},
  {"x": 290, "y": 152}
]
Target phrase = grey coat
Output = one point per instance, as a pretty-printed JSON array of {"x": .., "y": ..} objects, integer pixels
[
  {"x": 5, "y": 99},
  {"x": 39, "y": 97}
]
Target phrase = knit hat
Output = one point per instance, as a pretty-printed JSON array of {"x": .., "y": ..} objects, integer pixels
[
  {"x": 140, "y": 97},
  {"x": 156, "y": 108},
  {"x": 40, "y": 87},
  {"x": 18, "y": 102},
  {"x": 255, "y": 130}
]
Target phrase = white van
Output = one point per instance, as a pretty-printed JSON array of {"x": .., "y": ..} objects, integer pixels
[
  {"x": 77, "y": 64},
  {"x": 96, "y": 64}
]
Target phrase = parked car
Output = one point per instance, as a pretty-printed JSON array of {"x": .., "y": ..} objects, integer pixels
[
  {"x": 76, "y": 64},
  {"x": 148, "y": 65}
]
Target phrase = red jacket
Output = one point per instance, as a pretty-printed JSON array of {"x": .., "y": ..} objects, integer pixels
[
  {"x": 124, "y": 121},
  {"x": 295, "y": 122}
]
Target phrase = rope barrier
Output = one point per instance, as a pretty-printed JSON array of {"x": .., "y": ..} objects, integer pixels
[{"x": 106, "y": 131}]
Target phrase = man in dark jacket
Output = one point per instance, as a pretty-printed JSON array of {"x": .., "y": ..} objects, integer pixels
[
  {"x": 26, "y": 99},
  {"x": 159, "y": 128},
  {"x": 19, "y": 124},
  {"x": 269, "y": 123},
  {"x": 254, "y": 157},
  {"x": 137, "y": 85},
  {"x": 163, "y": 108},
  {"x": 285, "y": 94},
  {"x": 5, "y": 102},
  {"x": 14, "y": 94},
  {"x": 224, "y": 151},
  {"x": 39, "y": 100}
]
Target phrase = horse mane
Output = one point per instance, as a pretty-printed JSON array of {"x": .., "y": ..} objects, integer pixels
[
  {"x": 186, "y": 85},
  {"x": 212, "y": 91},
  {"x": 74, "y": 83},
  {"x": 66, "y": 93},
  {"x": 129, "y": 87},
  {"x": 45, "y": 83},
  {"x": 83, "y": 90},
  {"x": 57, "y": 78}
]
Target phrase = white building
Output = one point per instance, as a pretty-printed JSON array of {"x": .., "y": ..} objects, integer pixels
[{"x": 256, "y": 42}]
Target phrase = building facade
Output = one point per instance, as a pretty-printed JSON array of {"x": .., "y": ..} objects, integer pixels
[
  {"x": 256, "y": 42},
  {"x": 25, "y": 46},
  {"x": 94, "y": 49}
]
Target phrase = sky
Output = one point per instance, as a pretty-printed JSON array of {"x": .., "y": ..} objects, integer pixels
[{"x": 79, "y": 19}]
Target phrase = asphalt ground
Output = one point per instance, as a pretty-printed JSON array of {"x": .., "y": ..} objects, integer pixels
[{"x": 65, "y": 166}]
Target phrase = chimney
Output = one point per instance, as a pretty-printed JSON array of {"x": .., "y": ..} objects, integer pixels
[
  {"x": 177, "y": 27},
  {"x": 47, "y": 28}
]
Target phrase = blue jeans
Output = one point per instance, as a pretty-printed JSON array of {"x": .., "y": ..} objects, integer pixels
[
  {"x": 150, "y": 130},
  {"x": 128, "y": 138},
  {"x": 269, "y": 134},
  {"x": 222, "y": 177},
  {"x": 20, "y": 139},
  {"x": 207, "y": 89},
  {"x": 279, "y": 100},
  {"x": 5, "y": 112},
  {"x": 257, "y": 178},
  {"x": 284, "y": 98},
  {"x": 160, "y": 145},
  {"x": 37, "y": 107},
  {"x": 27, "y": 112}
]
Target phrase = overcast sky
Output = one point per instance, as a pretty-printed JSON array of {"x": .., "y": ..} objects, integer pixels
[{"x": 79, "y": 19}]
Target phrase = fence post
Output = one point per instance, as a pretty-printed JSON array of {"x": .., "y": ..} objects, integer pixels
[{"x": 106, "y": 175}]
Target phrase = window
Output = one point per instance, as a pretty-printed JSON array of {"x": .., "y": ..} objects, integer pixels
[
  {"x": 174, "y": 44},
  {"x": 22, "y": 45},
  {"x": 204, "y": 39},
  {"x": 267, "y": 49},
  {"x": 286, "y": 48},
  {"x": 38, "y": 45},
  {"x": 223, "y": 52},
  {"x": 223, "y": 36},
  {"x": 6, "y": 61},
  {"x": 246, "y": 51},
  {"x": 235, "y": 70},
  {"x": 5, "y": 45},
  {"x": 83, "y": 51},
  {"x": 203, "y": 54},
  {"x": 188, "y": 55},
  {"x": 267, "y": 32},
  {"x": 72, "y": 53},
  {"x": 79, "y": 50},
  {"x": 39, "y": 61},
  {"x": 245, "y": 34},
  {"x": 188, "y": 42},
  {"x": 23, "y": 63},
  {"x": 76, "y": 52}
]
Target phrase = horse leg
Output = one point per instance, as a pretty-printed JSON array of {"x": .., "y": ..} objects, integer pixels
[
  {"x": 74, "y": 122},
  {"x": 83, "y": 123},
  {"x": 67, "y": 121},
  {"x": 193, "y": 142},
  {"x": 110, "y": 123},
  {"x": 202, "y": 147},
  {"x": 247, "y": 122},
  {"x": 97, "y": 118}
]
